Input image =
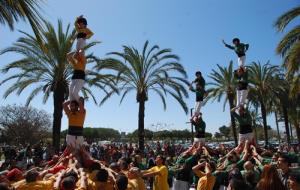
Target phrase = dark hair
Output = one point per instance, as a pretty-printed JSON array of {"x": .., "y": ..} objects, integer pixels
[
  {"x": 3, "y": 186},
  {"x": 31, "y": 176},
  {"x": 237, "y": 184},
  {"x": 286, "y": 158},
  {"x": 71, "y": 173},
  {"x": 95, "y": 166},
  {"x": 82, "y": 20},
  {"x": 68, "y": 182},
  {"x": 163, "y": 158},
  {"x": 295, "y": 176},
  {"x": 74, "y": 102},
  {"x": 121, "y": 182},
  {"x": 123, "y": 164},
  {"x": 235, "y": 40},
  {"x": 102, "y": 175},
  {"x": 250, "y": 178},
  {"x": 198, "y": 73},
  {"x": 235, "y": 174}
]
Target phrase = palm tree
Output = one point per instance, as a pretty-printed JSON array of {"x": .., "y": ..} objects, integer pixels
[
  {"x": 263, "y": 86},
  {"x": 12, "y": 11},
  {"x": 224, "y": 85},
  {"x": 46, "y": 70},
  {"x": 153, "y": 69},
  {"x": 289, "y": 46}
]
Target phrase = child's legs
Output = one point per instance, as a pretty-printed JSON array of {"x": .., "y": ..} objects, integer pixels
[
  {"x": 80, "y": 44},
  {"x": 197, "y": 108},
  {"x": 238, "y": 97},
  {"x": 71, "y": 89},
  {"x": 244, "y": 94},
  {"x": 79, "y": 83},
  {"x": 242, "y": 61}
]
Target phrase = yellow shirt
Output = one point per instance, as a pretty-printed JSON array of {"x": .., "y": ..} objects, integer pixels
[
  {"x": 44, "y": 185},
  {"x": 160, "y": 180},
  {"x": 136, "y": 184},
  {"x": 80, "y": 65},
  {"x": 206, "y": 182},
  {"x": 101, "y": 185},
  {"x": 76, "y": 119}
]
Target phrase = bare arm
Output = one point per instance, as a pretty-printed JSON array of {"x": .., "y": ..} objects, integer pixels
[{"x": 66, "y": 107}]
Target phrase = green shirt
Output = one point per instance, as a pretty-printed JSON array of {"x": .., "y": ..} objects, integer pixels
[
  {"x": 244, "y": 122},
  {"x": 239, "y": 49}
]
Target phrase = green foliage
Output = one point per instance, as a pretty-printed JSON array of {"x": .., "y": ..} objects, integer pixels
[
  {"x": 152, "y": 70},
  {"x": 225, "y": 131},
  {"x": 289, "y": 46},
  {"x": 12, "y": 11},
  {"x": 94, "y": 134},
  {"x": 223, "y": 84}
]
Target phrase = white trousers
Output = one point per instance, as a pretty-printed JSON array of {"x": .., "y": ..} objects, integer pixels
[
  {"x": 75, "y": 87},
  {"x": 241, "y": 97},
  {"x": 80, "y": 44},
  {"x": 180, "y": 185},
  {"x": 197, "y": 108},
  {"x": 242, "y": 61},
  {"x": 244, "y": 137},
  {"x": 74, "y": 141}
]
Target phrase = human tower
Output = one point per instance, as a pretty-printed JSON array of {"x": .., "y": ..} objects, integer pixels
[
  {"x": 75, "y": 111},
  {"x": 239, "y": 111}
]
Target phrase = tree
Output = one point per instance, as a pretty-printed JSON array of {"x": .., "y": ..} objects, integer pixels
[
  {"x": 23, "y": 125},
  {"x": 12, "y": 11},
  {"x": 224, "y": 85},
  {"x": 46, "y": 70},
  {"x": 264, "y": 84},
  {"x": 225, "y": 131},
  {"x": 289, "y": 46},
  {"x": 152, "y": 70}
]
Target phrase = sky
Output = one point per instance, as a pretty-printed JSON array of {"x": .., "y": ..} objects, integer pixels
[{"x": 193, "y": 29}]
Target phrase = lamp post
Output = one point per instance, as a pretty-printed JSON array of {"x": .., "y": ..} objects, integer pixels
[{"x": 192, "y": 128}]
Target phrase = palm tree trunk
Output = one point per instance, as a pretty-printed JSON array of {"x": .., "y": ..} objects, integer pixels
[
  {"x": 231, "y": 105},
  {"x": 264, "y": 117},
  {"x": 286, "y": 123},
  {"x": 58, "y": 97},
  {"x": 141, "y": 134},
  {"x": 277, "y": 127}
]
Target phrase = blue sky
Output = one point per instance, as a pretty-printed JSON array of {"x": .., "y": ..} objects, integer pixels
[{"x": 193, "y": 29}]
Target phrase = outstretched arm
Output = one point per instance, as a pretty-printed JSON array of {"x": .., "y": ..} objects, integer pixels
[
  {"x": 66, "y": 106},
  {"x": 227, "y": 45},
  {"x": 81, "y": 105}
]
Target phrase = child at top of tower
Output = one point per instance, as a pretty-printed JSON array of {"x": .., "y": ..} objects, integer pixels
[
  {"x": 82, "y": 34},
  {"x": 240, "y": 49}
]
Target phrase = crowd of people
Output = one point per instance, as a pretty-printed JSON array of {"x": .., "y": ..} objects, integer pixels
[{"x": 159, "y": 167}]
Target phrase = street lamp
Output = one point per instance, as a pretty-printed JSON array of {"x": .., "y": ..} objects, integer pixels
[{"x": 192, "y": 126}]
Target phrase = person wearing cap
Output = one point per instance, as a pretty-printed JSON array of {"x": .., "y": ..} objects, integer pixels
[
  {"x": 240, "y": 49},
  {"x": 244, "y": 120}
]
